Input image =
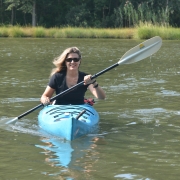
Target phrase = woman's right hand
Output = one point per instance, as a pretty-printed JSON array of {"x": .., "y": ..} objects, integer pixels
[{"x": 45, "y": 100}]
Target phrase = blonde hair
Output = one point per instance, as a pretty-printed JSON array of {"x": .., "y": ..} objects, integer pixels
[{"x": 59, "y": 61}]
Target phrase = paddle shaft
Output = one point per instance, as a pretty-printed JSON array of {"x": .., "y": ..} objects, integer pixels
[
  {"x": 67, "y": 91},
  {"x": 31, "y": 110},
  {"x": 138, "y": 53},
  {"x": 62, "y": 93}
]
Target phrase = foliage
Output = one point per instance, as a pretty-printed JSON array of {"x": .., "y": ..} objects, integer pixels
[
  {"x": 78, "y": 16},
  {"x": 90, "y": 13}
]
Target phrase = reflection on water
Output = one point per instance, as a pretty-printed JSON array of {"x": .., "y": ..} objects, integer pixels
[
  {"x": 57, "y": 151},
  {"x": 130, "y": 176},
  {"x": 63, "y": 153}
]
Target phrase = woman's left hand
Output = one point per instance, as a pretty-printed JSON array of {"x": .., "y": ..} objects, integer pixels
[{"x": 88, "y": 80}]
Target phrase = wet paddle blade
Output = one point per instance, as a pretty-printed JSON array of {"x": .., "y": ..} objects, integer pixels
[{"x": 142, "y": 51}]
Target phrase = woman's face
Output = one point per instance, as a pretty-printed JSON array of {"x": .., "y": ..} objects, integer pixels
[{"x": 72, "y": 61}]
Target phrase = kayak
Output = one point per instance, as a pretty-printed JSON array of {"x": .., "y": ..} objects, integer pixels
[{"x": 68, "y": 121}]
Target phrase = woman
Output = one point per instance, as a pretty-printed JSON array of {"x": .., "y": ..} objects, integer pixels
[{"x": 67, "y": 74}]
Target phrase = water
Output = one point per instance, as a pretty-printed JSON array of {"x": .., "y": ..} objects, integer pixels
[{"x": 139, "y": 130}]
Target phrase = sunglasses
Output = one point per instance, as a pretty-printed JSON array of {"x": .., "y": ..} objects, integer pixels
[{"x": 72, "y": 59}]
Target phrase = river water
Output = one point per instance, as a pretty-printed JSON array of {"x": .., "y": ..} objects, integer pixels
[{"x": 139, "y": 130}]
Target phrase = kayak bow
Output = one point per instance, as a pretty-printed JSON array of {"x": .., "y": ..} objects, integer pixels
[{"x": 68, "y": 121}]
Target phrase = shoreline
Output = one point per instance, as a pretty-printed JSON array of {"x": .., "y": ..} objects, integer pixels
[{"x": 144, "y": 31}]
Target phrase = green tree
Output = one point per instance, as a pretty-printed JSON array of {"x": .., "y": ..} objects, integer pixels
[
  {"x": 78, "y": 16},
  {"x": 12, "y": 6},
  {"x": 26, "y": 6},
  {"x": 29, "y": 6},
  {"x": 89, "y": 13}
]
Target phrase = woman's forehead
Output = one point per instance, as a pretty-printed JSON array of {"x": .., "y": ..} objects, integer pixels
[{"x": 73, "y": 55}]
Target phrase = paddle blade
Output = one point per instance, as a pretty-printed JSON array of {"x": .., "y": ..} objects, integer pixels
[
  {"x": 142, "y": 51},
  {"x": 12, "y": 121}
]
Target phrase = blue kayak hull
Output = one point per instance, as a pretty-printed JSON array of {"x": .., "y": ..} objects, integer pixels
[{"x": 68, "y": 121}]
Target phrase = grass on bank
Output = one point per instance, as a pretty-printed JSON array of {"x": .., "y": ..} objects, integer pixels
[
  {"x": 147, "y": 30},
  {"x": 69, "y": 32},
  {"x": 142, "y": 31}
]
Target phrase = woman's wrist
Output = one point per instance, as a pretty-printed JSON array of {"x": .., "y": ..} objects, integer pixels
[
  {"x": 95, "y": 85},
  {"x": 93, "y": 82}
]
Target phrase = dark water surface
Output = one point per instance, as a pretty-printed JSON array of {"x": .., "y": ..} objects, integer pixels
[{"x": 139, "y": 131}]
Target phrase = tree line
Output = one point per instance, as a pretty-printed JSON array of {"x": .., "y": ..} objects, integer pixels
[{"x": 89, "y": 13}]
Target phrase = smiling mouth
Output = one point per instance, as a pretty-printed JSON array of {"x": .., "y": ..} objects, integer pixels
[{"x": 72, "y": 65}]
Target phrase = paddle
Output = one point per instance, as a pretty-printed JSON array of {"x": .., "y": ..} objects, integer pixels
[{"x": 139, "y": 52}]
